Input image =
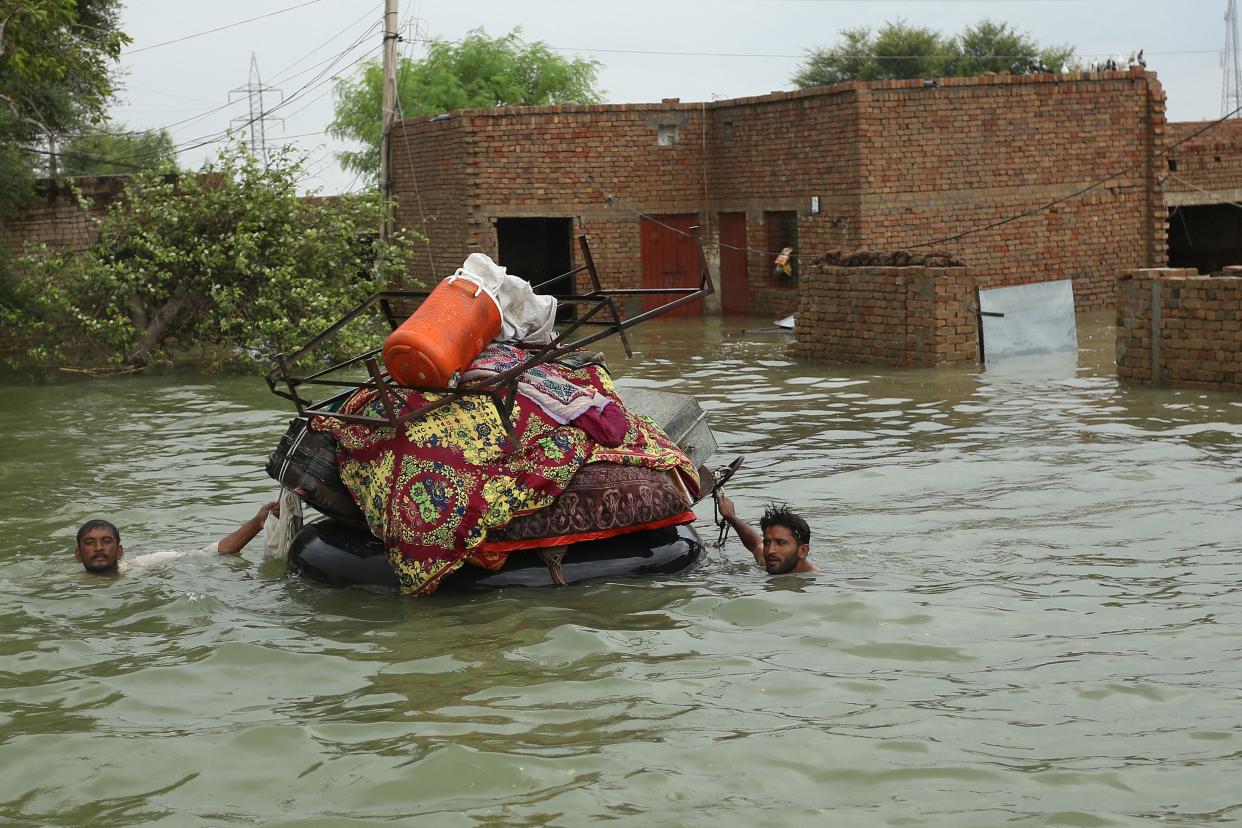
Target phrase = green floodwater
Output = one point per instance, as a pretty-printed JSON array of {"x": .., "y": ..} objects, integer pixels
[{"x": 1029, "y": 615}]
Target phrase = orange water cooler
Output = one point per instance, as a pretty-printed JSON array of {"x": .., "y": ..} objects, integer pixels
[{"x": 450, "y": 328}]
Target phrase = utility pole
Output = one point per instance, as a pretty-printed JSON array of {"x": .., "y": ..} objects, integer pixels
[
  {"x": 1231, "y": 98},
  {"x": 389, "y": 112}
]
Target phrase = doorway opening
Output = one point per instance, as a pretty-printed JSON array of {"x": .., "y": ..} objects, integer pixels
[
  {"x": 1207, "y": 237},
  {"x": 539, "y": 250}
]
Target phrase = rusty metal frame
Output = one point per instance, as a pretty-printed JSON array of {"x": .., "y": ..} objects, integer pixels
[{"x": 501, "y": 388}]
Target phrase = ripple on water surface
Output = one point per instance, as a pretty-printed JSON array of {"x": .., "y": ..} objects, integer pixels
[{"x": 1026, "y": 616}]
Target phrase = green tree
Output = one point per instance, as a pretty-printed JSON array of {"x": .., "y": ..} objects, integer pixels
[
  {"x": 991, "y": 46},
  {"x": 113, "y": 149},
  {"x": 900, "y": 51},
  {"x": 229, "y": 257},
  {"x": 478, "y": 72},
  {"x": 56, "y": 64}
]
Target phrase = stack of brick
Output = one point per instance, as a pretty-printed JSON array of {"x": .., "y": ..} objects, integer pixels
[
  {"x": 1177, "y": 328},
  {"x": 906, "y": 316}
]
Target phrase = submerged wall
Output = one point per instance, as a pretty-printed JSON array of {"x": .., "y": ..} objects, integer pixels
[
  {"x": 909, "y": 316},
  {"x": 1175, "y": 327}
]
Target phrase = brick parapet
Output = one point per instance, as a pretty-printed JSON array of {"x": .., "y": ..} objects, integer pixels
[
  {"x": 901, "y": 316},
  {"x": 1177, "y": 328},
  {"x": 56, "y": 218}
]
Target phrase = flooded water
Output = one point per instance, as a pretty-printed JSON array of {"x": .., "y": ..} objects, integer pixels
[{"x": 1028, "y": 615}]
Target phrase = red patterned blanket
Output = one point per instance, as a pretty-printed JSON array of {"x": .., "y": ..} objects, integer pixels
[{"x": 433, "y": 488}]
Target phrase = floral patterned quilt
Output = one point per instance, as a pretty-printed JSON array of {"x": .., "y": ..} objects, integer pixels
[{"x": 433, "y": 488}]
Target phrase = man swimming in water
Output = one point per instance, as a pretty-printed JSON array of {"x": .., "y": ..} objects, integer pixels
[
  {"x": 100, "y": 552},
  {"x": 783, "y": 542}
]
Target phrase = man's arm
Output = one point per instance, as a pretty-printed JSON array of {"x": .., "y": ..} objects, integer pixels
[
  {"x": 751, "y": 539},
  {"x": 233, "y": 543}
]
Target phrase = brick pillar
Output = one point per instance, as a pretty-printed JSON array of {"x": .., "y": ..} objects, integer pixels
[
  {"x": 911, "y": 316},
  {"x": 1177, "y": 328},
  {"x": 1157, "y": 139}
]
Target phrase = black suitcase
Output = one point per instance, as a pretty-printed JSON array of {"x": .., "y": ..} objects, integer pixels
[{"x": 305, "y": 463}]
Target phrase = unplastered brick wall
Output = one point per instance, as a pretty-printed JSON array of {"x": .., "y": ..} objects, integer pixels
[
  {"x": 56, "y": 218},
  {"x": 889, "y": 165},
  {"x": 557, "y": 161},
  {"x": 429, "y": 166},
  {"x": 937, "y": 161},
  {"x": 776, "y": 153},
  {"x": 904, "y": 316},
  {"x": 1177, "y": 328},
  {"x": 1204, "y": 156}
]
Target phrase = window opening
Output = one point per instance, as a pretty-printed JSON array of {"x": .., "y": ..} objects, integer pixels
[{"x": 782, "y": 229}]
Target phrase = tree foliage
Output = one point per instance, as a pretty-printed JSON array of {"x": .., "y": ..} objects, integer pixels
[
  {"x": 56, "y": 63},
  {"x": 112, "y": 149},
  {"x": 992, "y": 46},
  {"x": 478, "y": 72},
  {"x": 230, "y": 257},
  {"x": 899, "y": 50}
]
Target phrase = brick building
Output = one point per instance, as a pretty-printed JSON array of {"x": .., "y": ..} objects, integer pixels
[
  {"x": 1203, "y": 190},
  {"x": 895, "y": 164}
]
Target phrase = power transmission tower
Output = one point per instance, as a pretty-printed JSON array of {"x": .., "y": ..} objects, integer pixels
[
  {"x": 1231, "y": 61},
  {"x": 256, "y": 123}
]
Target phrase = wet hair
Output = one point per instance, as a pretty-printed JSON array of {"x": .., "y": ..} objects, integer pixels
[
  {"x": 782, "y": 515},
  {"x": 98, "y": 524}
]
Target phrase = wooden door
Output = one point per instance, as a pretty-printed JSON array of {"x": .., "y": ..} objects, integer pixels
[
  {"x": 734, "y": 272},
  {"x": 670, "y": 260}
]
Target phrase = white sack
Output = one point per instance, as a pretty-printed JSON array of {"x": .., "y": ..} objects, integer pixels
[
  {"x": 526, "y": 316},
  {"x": 279, "y": 531}
]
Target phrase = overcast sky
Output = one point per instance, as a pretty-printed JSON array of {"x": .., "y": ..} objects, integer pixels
[{"x": 695, "y": 50}]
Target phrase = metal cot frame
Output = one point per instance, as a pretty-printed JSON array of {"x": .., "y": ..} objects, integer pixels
[{"x": 601, "y": 308}]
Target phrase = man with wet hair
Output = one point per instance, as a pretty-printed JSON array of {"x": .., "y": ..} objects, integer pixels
[
  {"x": 782, "y": 542},
  {"x": 100, "y": 552}
]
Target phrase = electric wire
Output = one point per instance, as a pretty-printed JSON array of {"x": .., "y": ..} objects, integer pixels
[
  {"x": 225, "y": 135},
  {"x": 126, "y": 161},
  {"x": 278, "y": 78},
  {"x": 221, "y": 28},
  {"x": 217, "y": 137}
]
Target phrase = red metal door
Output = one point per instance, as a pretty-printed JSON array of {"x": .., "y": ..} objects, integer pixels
[
  {"x": 670, "y": 260},
  {"x": 734, "y": 273}
]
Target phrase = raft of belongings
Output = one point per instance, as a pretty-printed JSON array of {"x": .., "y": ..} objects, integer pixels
[
  {"x": 488, "y": 433},
  {"x": 450, "y": 489}
]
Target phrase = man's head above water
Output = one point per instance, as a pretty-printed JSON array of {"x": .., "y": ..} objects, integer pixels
[
  {"x": 786, "y": 541},
  {"x": 99, "y": 546},
  {"x": 783, "y": 542}
]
